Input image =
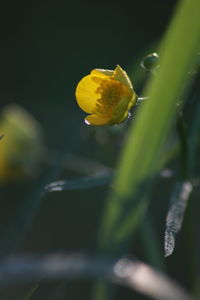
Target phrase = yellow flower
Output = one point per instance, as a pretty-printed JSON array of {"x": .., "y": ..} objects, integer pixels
[{"x": 107, "y": 95}]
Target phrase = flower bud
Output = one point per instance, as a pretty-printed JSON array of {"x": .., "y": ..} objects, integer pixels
[
  {"x": 107, "y": 95},
  {"x": 21, "y": 145}
]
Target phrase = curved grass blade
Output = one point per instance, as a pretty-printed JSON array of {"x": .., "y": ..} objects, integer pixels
[
  {"x": 130, "y": 273},
  {"x": 77, "y": 184},
  {"x": 175, "y": 215},
  {"x": 17, "y": 231}
]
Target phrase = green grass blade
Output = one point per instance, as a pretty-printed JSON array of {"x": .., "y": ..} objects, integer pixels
[
  {"x": 128, "y": 202},
  {"x": 78, "y": 184}
]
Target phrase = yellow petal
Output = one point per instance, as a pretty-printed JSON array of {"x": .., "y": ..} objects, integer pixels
[
  {"x": 120, "y": 113},
  {"x": 120, "y": 119},
  {"x": 121, "y": 76},
  {"x": 85, "y": 94},
  {"x": 102, "y": 72},
  {"x": 133, "y": 101},
  {"x": 97, "y": 120}
]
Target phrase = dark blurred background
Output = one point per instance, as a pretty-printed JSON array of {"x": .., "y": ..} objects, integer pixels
[{"x": 46, "y": 48}]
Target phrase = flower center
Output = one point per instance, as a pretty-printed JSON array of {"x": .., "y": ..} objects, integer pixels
[{"x": 111, "y": 92}]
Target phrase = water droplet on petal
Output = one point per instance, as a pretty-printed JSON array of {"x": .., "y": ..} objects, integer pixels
[{"x": 87, "y": 122}]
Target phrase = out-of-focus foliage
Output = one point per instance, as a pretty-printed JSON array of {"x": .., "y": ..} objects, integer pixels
[{"x": 21, "y": 146}]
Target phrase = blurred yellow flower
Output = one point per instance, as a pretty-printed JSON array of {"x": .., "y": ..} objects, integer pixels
[
  {"x": 107, "y": 95},
  {"x": 21, "y": 145}
]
